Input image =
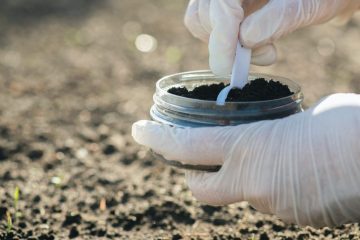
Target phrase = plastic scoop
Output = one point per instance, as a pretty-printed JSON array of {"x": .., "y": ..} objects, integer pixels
[{"x": 240, "y": 73}]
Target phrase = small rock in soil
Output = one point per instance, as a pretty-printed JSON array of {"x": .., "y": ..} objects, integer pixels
[
  {"x": 4, "y": 132},
  {"x": 72, "y": 218},
  {"x": 46, "y": 237},
  {"x": 176, "y": 237},
  {"x": 101, "y": 232},
  {"x": 244, "y": 231},
  {"x": 3, "y": 211},
  {"x": 7, "y": 176},
  {"x": 109, "y": 149},
  {"x": 264, "y": 236},
  {"x": 36, "y": 199},
  {"x": 148, "y": 194},
  {"x": 327, "y": 232},
  {"x": 125, "y": 198},
  {"x": 303, "y": 236},
  {"x": 29, "y": 233},
  {"x": 4, "y": 153},
  {"x": 128, "y": 159},
  {"x": 35, "y": 154},
  {"x": 73, "y": 232},
  {"x": 158, "y": 214},
  {"x": 278, "y": 228},
  {"x": 210, "y": 210},
  {"x": 259, "y": 224},
  {"x": 22, "y": 224},
  {"x": 131, "y": 221},
  {"x": 219, "y": 222}
]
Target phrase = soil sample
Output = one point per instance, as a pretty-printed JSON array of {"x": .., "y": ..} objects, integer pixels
[{"x": 256, "y": 90}]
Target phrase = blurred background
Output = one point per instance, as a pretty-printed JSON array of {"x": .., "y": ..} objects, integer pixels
[{"x": 74, "y": 75}]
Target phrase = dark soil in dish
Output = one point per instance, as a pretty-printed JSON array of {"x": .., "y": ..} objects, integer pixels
[{"x": 256, "y": 90}]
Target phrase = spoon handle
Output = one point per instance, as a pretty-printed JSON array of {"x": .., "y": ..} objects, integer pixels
[{"x": 241, "y": 67}]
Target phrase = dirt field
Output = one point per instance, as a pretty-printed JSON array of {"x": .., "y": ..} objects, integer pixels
[{"x": 71, "y": 84}]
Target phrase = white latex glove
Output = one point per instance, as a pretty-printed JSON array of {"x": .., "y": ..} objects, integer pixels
[
  {"x": 304, "y": 168},
  {"x": 218, "y": 22}
]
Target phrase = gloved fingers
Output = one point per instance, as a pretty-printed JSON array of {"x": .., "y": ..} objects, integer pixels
[
  {"x": 204, "y": 15},
  {"x": 199, "y": 146},
  {"x": 264, "y": 55},
  {"x": 195, "y": 19},
  {"x": 212, "y": 188},
  {"x": 241, "y": 169},
  {"x": 261, "y": 56},
  {"x": 225, "y": 17},
  {"x": 280, "y": 17},
  {"x": 268, "y": 23}
]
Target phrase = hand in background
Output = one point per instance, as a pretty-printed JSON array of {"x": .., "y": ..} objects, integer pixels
[{"x": 219, "y": 23}]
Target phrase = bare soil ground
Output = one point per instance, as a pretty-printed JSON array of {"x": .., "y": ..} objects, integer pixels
[{"x": 71, "y": 84}]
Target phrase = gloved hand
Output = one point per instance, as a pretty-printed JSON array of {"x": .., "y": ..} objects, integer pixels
[
  {"x": 304, "y": 168},
  {"x": 218, "y": 21}
]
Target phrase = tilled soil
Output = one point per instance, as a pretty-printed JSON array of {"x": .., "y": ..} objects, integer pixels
[{"x": 71, "y": 84}]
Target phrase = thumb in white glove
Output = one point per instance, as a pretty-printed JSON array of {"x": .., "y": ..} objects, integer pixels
[{"x": 303, "y": 168}]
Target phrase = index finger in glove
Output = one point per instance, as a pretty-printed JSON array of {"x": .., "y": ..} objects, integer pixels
[
  {"x": 281, "y": 17},
  {"x": 197, "y": 20},
  {"x": 271, "y": 22},
  {"x": 225, "y": 17},
  {"x": 200, "y": 146}
]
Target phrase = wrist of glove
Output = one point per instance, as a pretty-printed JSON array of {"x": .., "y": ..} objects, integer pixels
[
  {"x": 257, "y": 23},
  {"x": 303, "y": 168}
]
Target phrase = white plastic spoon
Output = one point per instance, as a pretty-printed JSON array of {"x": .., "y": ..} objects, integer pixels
[{"x": 240, "y": 73}]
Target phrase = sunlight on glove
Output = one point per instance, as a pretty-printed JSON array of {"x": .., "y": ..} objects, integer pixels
[
  {"x": 303, "y": 168},
  {"x": 218, "y": 21}
]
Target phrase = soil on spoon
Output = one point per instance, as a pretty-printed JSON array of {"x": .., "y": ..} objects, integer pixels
[{"x": 256, "y": 90}]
